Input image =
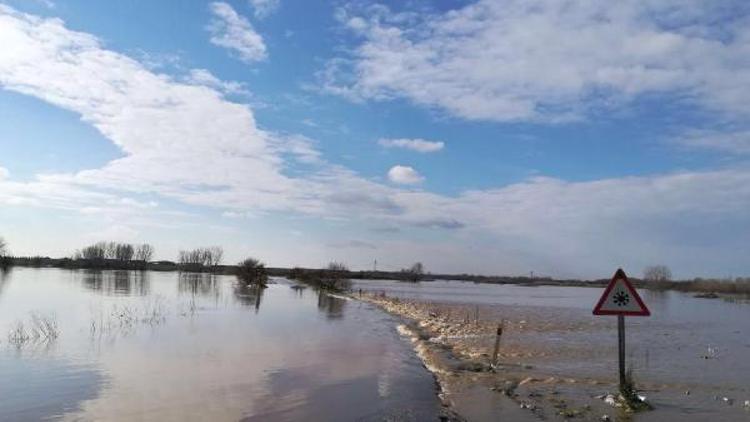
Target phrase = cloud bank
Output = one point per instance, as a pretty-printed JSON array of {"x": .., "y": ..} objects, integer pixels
[{"x": 547, "y": 60}]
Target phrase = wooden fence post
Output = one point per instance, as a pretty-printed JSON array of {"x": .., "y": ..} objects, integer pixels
[{"x": 497, "y": 343}]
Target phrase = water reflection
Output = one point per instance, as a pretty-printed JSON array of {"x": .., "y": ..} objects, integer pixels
[
  {"x": 4, "y": 277},
  {"x": 741, "y": 300},
  {"x": 332, "y": 306},
  {"x": 198, "y": 284},
  {"x": 202, "y": 362},
  {"x": 249, "y": 295},
  {"x": 298, "y": 288},
  {"x": 63, "y": 387},
  {"x": 117, "y": 282}
]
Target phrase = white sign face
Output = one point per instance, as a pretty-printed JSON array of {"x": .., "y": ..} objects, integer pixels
[{"x": 620, "y": 298}]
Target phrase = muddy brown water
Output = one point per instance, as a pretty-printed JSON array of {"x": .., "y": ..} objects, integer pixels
[
  {"x": 692, "y": 355},
  {"x": 170, "y": 347}
]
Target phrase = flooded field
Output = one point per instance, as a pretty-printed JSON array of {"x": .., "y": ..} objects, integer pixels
[
  {"x": 691, "y": 357},
  {"x": 114, "y": 345},
  {"x": 84, "y": 345}
]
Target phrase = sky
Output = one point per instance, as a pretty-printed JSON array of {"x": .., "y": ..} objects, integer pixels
[{"x": 567, "y": 138}]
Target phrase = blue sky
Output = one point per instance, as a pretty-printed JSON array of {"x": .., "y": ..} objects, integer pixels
[{"x": 496, "y": 137}]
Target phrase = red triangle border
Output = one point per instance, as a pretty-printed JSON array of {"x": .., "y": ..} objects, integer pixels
[{"x": 620, "y": 275}]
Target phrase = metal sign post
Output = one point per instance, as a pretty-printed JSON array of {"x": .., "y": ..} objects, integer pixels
[
  {"x": 621, "y": 299},
  {"x": 621, "y": 347}
]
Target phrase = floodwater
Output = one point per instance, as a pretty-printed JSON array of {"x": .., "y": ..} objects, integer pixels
[
  {"x": 692, "y": 354},
  {"x": 180, "y": 347}
]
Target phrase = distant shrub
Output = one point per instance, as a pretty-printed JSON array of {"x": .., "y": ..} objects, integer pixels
[
  {"x": 252, "y": 271},
  {"x": 657, "y": 273},
  {"x": 413, "y": 273},
  {"x": 334, "y": 277}
]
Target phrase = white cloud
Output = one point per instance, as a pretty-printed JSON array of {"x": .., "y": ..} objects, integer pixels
[
  {"x": 419, "y": 145},
  {"x": 299, "y": 147},
  {"x": 168, "y": 131},
  {"x": 239, "y": 214},
  {"x": 206, "y": 78},
  {"x": 49, "y": 4},
  {"x": 263, "y": 8},
  {"x": 4, "y": 173},
  {"x": 404, "y": 175},
  {"x": 543, "y": 60},
  {"x": 728, "y": 141},
  {"x": 232, "y": 31}
]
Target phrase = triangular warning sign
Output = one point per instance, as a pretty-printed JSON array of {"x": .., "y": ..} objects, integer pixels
[{"x": 620, "y": 298}]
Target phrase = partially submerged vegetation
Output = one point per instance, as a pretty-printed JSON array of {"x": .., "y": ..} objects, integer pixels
[
  {"x": 124, "y": 318},
  {"x": 39, "y": 328},
  {"x": 629, "y": 397},
  {"x": 335, "y": 277},
  {"x": 252, "y": 272},
  {"x": 114, "y": 255},
  {"x": 739, "y": 285},
  {"x": 201, "y": 259},
  {"x": 413, "y": 273}
]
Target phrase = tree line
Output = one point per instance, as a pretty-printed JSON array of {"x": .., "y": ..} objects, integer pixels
[
  {"x": 201, "y": 258},
  {"x": 116, "y": 251},
  {"x": 114, "y": 254}
]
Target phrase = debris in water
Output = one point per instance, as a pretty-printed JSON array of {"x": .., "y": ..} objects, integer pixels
[
  {"x": 712, "y": 353},
  {"x": 728, "y": 401},
  {"x": 527, "y": 380},
  {"x": 610, "y": 400}
]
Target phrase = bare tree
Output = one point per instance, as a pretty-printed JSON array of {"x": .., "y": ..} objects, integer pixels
[
  {"x": 414, "y": 273},
  {"x": 109, "y": 248},
  {"x": 3, "y": 247},
  {"x": 657, "y": 273},
  {"x": 144, "y": 253},
  {"x": 124, "y": 252},
  {"x": 95, "y": 252},
  {"x": 101, "y": 252},
  {"x": 200, "y": 258},
  {"x": 216, "y": 254}
]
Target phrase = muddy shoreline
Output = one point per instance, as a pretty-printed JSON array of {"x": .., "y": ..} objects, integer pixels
[{"x": 455, "y": 343}]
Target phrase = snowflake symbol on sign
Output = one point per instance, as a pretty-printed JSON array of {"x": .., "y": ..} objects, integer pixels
[{"x": 621, "y": 298}]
